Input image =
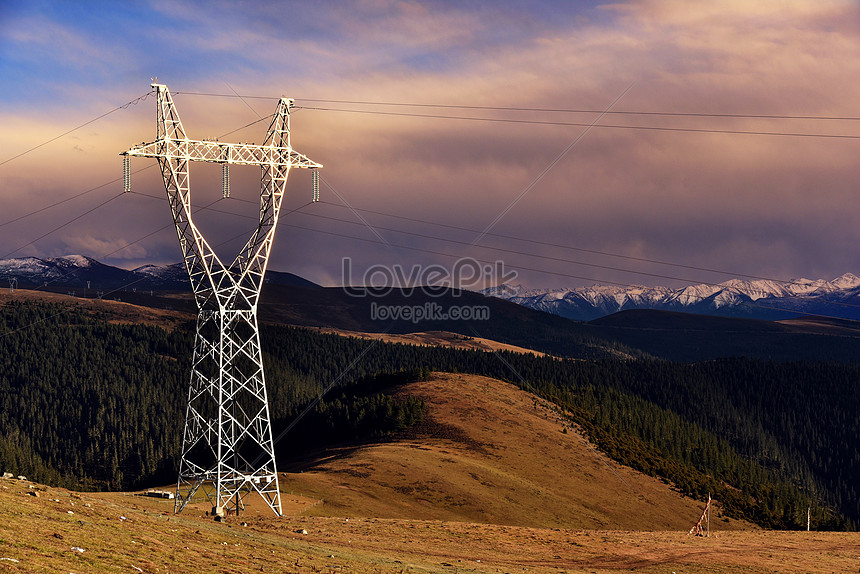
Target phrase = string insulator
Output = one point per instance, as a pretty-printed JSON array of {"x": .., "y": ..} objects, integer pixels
[
  {"x": 126, "y": 173},
  {"x": 225, "y": 180},
  {"x": 315, "y": 180}
]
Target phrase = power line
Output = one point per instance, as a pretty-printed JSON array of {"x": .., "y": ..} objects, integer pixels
[
  {"x": 570, "y": 275},
  {"x": 532, "y": 255},
  {"x": 549, "y": 167},
  {"x": 563, "y": 246},
  {"x": 77, "y": 195},
  {"x": 448, "y": 240},
  {"x": 54, "y": 230},
  {"x": 543, "y": 110},
  {"x": 585, "y": 125},
  {"x": 264, "y": 118},
  {"x": 527, "y": 254},
  {"x": 133, "y": 102},
  {"x": 141, "y": 98},
  {"x": 564, "y": 123},
  {"x": 560, "y": 259},
  {"x": 207, "y": 207}
]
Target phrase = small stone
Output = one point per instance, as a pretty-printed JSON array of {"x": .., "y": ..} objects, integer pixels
[{"x": 302, "y": 531}]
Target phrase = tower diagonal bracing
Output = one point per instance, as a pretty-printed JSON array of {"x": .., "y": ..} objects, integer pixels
[{"x": 227, "y": 448}]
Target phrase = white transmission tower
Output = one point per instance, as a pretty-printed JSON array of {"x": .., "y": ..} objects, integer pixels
[{"x": 227, "y": 447}]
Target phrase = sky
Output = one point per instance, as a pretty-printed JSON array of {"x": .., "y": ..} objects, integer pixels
[{"x": 450, "y": 131}]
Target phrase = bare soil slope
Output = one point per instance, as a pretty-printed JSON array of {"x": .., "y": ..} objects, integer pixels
[{"x": 490, "y": 452}]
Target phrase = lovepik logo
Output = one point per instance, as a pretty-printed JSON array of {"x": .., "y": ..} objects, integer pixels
[{"x": 433, "y": 280}]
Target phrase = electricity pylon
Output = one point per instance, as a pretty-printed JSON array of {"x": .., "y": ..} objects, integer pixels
[{"x": 227, "y": 447}]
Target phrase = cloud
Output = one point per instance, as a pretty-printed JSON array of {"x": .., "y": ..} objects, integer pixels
[
  {"x": 87, "y": 243},
  {"x": 748, "y": 203}
]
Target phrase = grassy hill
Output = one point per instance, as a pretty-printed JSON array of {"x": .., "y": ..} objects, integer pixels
[{"x": 488, "y": 451}]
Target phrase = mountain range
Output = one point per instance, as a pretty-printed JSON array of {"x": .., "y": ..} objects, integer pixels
[
  {"x": 79, "y": 271},
  {"x": 755, "y": 298}
]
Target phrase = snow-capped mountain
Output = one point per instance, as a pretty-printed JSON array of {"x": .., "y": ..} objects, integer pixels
[
  {"x": 172, "y": 276},
  {"x": 78, "y": 271},
  {"x": 71, "y": 270},
  {"x": 759, "y": 298}
]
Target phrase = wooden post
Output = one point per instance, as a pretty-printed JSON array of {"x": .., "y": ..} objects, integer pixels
[{"x": 709, "y": 515}]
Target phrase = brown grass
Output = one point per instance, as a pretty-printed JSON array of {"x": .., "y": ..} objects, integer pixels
[
  {"x": 122, "y": 533},
  {"x": 490, "y": 452},
  {"x": 435, "y": 339}
]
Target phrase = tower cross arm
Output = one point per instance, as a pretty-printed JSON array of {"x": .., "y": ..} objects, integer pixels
[{"x": 218, "y": 152}]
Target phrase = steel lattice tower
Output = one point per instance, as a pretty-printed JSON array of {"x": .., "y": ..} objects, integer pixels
[{"x": 227, "y": 448}]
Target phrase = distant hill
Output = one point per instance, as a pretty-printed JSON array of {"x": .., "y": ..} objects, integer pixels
[
  {"x": 688, "y": 337},
  {"x": 506, "y": 322}
]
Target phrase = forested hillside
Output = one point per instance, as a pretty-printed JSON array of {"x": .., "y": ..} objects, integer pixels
[
  {"x": 88, "y": 404},
  {"x": 93, "y": 405}
]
